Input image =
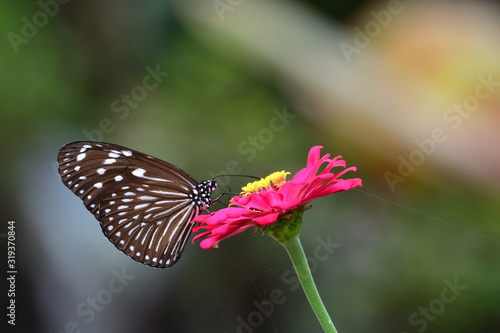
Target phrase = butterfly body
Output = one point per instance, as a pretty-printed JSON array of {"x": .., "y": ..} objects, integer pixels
[{"x": 144, "y": 205}]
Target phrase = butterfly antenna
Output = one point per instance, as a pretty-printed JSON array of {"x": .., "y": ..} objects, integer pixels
[{"x": 233, "y": 175}]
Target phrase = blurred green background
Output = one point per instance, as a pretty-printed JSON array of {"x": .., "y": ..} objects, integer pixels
[{"x": 409, "y": 92}]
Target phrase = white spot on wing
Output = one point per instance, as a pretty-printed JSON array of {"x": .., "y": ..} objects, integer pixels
[
  {"x": 113, "y": 155},
  {"x": 81, "y": 156},
  {"x": 98, "y": 185},
  {"x": 101, "y": 171},
  {"x": 118, "y": 178},
  {"x": 141, "y": 206},
  {"x": 139, "y": 172},
  {"x": 109, "y": 161},
  {"x": 132, "y": 230},
  {"x": 147, "y": 197},
  {"x": 127, "y": 153},
  {"x": 170, "y": 193}
]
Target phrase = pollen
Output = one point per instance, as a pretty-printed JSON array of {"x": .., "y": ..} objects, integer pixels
[{"x": 271, "y": 182}]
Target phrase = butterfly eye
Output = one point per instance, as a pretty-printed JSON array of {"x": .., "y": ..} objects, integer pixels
[{"x": 145, "y": 205}]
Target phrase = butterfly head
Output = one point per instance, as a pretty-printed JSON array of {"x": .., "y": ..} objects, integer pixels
[{"x": 201, "y": 194}]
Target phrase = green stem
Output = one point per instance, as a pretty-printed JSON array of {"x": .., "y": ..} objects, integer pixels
[{"x": 296, "y": 253}]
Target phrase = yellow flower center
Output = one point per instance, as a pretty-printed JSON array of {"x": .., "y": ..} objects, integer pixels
[{"x": 273, "y": 181}]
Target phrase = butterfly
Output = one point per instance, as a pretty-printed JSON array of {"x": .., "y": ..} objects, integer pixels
[{"x": 144, "y": 205}]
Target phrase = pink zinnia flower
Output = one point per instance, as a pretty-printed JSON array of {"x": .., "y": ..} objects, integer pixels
[{"x": 265, "y": 201}]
